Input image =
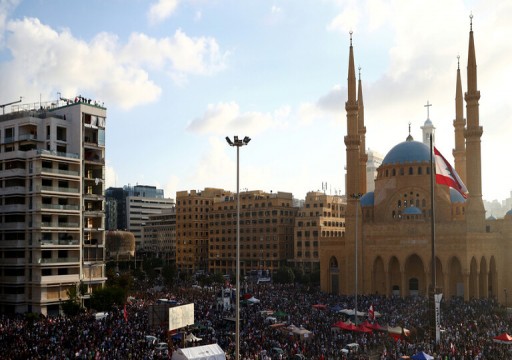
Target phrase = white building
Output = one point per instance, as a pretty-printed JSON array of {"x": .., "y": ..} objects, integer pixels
[{"x": 52, "y": 170}]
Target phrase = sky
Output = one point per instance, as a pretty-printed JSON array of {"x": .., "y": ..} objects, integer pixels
[{"x": 178, "y": 76}]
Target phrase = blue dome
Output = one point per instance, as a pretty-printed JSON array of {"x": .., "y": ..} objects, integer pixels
[
  {"x": 367, "y": 199},
  {"x": 407, "y": 152},
  {"x": 412, "y": 210},
  {"x": 509, "y": 212},
  {"x": 456, "y": 197}
]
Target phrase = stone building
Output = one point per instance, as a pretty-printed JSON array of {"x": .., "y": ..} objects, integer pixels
[{"x": 388, "y": 245}]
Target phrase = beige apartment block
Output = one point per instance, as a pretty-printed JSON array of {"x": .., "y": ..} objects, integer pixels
[
  {"x": 192, "y": 210},
  {"x": 322, "y": 217},
  {"x": 266, "y": 232},
  {"x": 52, "y": 171}
]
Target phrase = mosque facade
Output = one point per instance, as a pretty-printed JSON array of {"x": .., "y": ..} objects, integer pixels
[{"x": 388, "y": 246}]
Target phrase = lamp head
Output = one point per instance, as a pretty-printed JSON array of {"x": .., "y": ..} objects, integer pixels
[
  {"x": 246, "y": 140},
  {"x": 229, "y": 141}
]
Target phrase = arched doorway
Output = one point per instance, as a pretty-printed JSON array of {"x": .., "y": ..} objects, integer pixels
[
  {"x": 482, "y": 281},
  {"x": 414, "y": 269},
  {"x": 493, "y": 279},
  {"x": 334, "y": 276},
  {"x": 379, "y": 277},
  {"x": 394, "y": 276},
  {"x": 473, "y": 279},
  {"x": 456, "y": 281}
]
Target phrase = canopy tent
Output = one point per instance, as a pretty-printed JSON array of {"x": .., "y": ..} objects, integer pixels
[
  {"x": 503, "y": 339},
  {"x": 374, "y": 326},
  {"x": 192, "y": 338},
  {"x": 422, "y": 356},
  {"x": 345, "y": 326},
  {"x": 320, "y": 306},
  {"x": 205, "y": 352},
  {"x": 253, "y": 300},
  {"x": 280, "y": 314},
  {"x": 351, "y": 312}
]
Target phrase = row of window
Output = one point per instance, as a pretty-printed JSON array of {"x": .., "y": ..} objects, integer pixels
[{"x": 419, "y": 170}]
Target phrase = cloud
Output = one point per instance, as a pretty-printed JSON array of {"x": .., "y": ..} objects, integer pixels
[
  {"x": 161, "y": 10},
  {"x": 111, "y": 178},
  {"x": 44, "y": 61},
  {"x": 225, "y": 118},
  {"x": 329, "y": 106}
]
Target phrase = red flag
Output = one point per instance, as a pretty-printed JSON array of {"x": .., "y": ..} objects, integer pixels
[
  {"x": 125, "y": 313},
  {"x": 447, "y": 175},
  {"x": 371, "y": 313}
]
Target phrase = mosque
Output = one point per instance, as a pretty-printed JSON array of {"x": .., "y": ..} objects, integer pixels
[{"x": 391, "y": 237}]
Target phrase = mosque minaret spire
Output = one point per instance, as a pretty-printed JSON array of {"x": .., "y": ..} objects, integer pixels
[
  {"x": 459, "y": 153},
  {"x": 352, "y": 139},
  {"x": 363, "y": 156},
  {"x": 475, "y": 211}
]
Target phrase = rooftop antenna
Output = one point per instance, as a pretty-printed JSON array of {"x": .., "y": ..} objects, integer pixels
[{"x": 14, "y": 102}]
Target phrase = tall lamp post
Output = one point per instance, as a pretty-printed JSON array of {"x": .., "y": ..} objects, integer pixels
[
  {"x": 356, "y": 197},
  {"x": 237, "y": 143}
]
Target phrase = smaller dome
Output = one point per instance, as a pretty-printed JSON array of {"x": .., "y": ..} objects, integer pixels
[
  {"x": 508, "y": 215},
  {"x": 367, "y": 199},
  {"x": 412, "y": 210},
  {"x": 456, "y": 197},
  {"x": 428, "y": 123},
  {"x": 491, "y": 218}
]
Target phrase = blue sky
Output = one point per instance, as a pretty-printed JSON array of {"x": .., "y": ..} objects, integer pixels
[{"x": 179, "y": 76}]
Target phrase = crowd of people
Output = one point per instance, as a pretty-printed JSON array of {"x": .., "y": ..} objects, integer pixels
[{"x": 467, "y": 332}]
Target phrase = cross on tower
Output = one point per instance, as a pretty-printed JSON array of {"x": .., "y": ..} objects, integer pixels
[{"x": 428, "y": 106}]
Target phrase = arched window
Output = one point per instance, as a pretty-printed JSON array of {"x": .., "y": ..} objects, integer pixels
[
  {"x": 410, "y": 171},
  {"x": 428, "y": 171},
  {"x": 401, "y": 171},
  {"x": 419, "y": 170},
  {"x": 393, "y": 172},
  {"x": 399, "y": 203},
  {"x": 387, "y": 172}
]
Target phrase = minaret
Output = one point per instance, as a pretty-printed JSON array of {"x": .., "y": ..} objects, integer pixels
[
  {"x": 428, "y": 128},
  {"x": 352, "y": 139},
  {"x": 459, "y": 153},
  {"x": 353, "y": 184},
  {"x": 363, "y": 156},
  {"x": 475, "y": 212}
]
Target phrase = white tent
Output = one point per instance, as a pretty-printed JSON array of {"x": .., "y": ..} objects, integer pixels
[{"x": 205, "y": 352}]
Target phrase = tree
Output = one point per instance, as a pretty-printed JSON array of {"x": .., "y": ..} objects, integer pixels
[
  {"x": 169, "y": 274},
  {"x": 284, "y": 276},
  {"x": 71, "y": 306},
  {"x": 104, "y": 299}
]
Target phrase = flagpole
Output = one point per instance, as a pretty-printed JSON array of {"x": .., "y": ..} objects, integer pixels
[{"x": 433, "y": 217}]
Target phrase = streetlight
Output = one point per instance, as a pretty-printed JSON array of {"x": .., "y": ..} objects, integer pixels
[
  {"x": 356, "y": 197},
  {"x": 238, "y": 143}
]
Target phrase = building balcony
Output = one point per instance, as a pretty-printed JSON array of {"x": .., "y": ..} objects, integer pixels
[
  {"x": 60, "y": 172},
  {"x": 13, "y": 298},
  {"x": 66, "y": 225},
  {"x": 12, "y": 244},
  {"x": 27, "y": 137},
  {"x": 59, "y": 189},
  {"x": 14, "y": 261},
  {"x": 61, "y": 207},
  {"x": 12, "y": 173},
  {"x": 13, "y": 190},
  {"x": 57, "y": 279},
  {"x": 49, "y": 243},
  {"x": 64, "y": 260},
  {"x": 14, "y": 226},
  {"x": 10, "y": 280},
  {"x": 13, "y": 208},
  {"x": 58, "y": 154}
]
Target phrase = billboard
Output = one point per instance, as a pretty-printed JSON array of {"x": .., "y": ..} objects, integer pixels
[{"x": 181, "y": 316}]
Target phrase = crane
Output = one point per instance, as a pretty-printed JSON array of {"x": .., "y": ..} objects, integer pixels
[{"x": 14, "y": 102}]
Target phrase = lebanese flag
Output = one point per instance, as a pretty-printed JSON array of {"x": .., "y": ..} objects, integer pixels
[
  {"x": 446, "y": 174},
  {"x": 371, "y": 313}
]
